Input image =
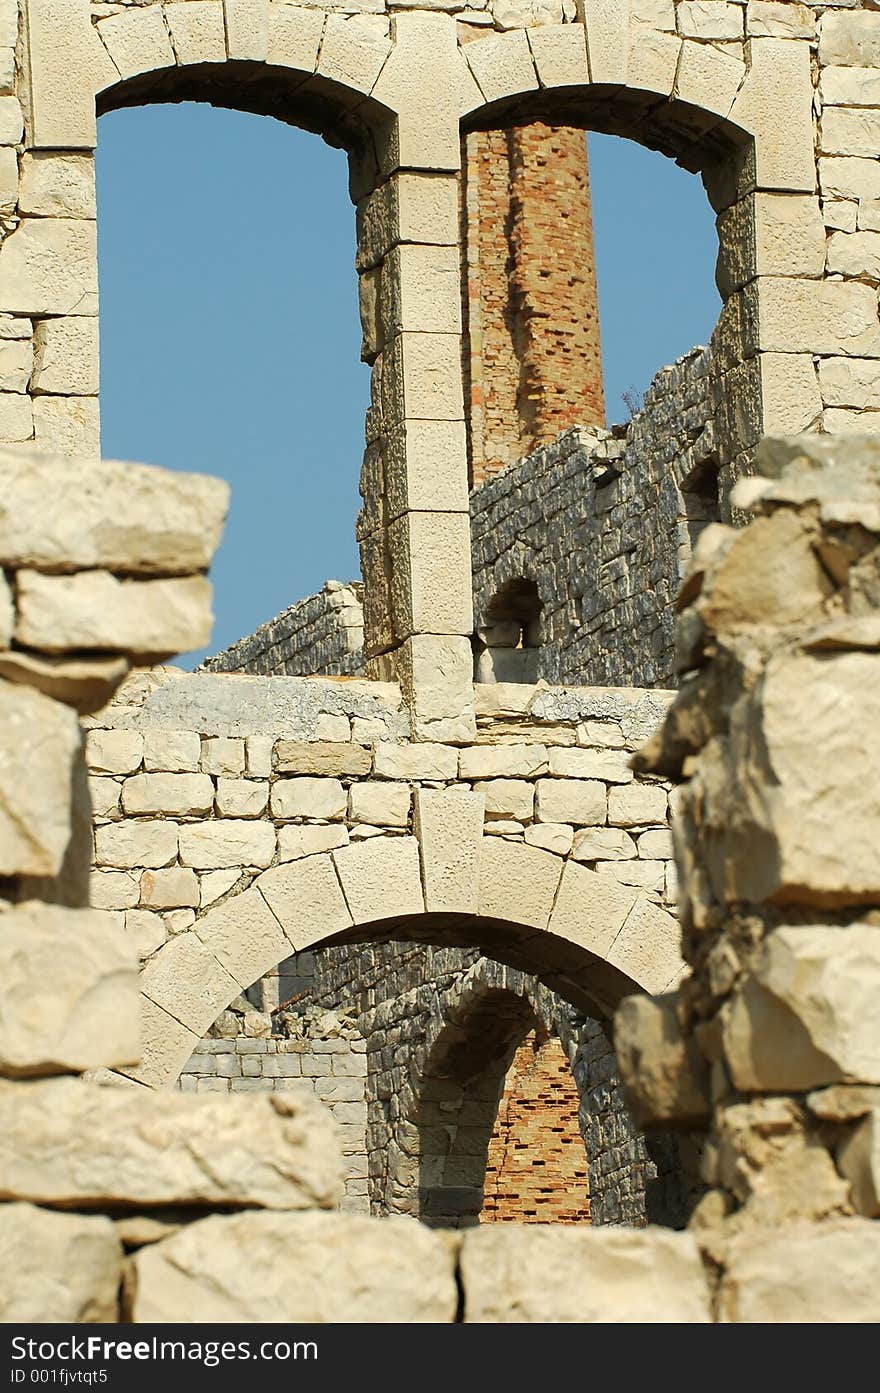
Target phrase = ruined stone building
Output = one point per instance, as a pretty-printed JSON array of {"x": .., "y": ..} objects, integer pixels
[{"x": 435, "y": 812}]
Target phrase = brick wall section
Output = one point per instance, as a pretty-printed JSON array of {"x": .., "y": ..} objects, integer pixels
[
  {"x": 532, "y": 350},
  {"x": 536, "y": 1167}
]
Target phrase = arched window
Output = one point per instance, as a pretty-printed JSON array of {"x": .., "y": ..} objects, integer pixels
[{"x": 508, "y": 640}]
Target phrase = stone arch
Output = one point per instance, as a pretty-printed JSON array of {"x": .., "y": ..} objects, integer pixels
[{"x": 587, "y": 938}]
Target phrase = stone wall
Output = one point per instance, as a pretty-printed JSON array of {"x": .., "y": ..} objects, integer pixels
[
  {"x": 328, "y": 1060},
  {"x": 602, "y": 526},
  {"x": 322, "y": 634}
]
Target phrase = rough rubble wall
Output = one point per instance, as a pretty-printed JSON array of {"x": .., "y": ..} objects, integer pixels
[
  {"x": 322, "y": 634},
  {"x": 603, "y": 527},
  {"x": 532, "y": 352}
]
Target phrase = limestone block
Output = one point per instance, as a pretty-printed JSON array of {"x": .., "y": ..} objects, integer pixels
[
  {"x": 550, "y": 836},
  {"x": 779, "y": 19},
  {"x": 848, "y": 131},
  {"x": 560, "y": 54},
  {"x": 68, "y": 1143},
  {"x": 589, "y": 910},
  {"x": 769, "y": 234},
  {"x": 305, "y": 1267},
  {"x": 815, "y": 829},
  {"x": 166, "y": 1044},
  {"x": 135, "y": 843},
  {"x": 579, "y": 801},
  {"x": 637, "y": 804},
  {"x": 351, "y": 55},
  {"x": 171, "y": 751},
  {"x": 544, "y": 1272},
  {"x": 68, "y": 65},
  {"x": 294, "y": 36},
  {"x": 666, "y": 1077},
  {"x": 11, "y": 127},
  {"x": 502, "y": 64},
  {"x": 775, "y": 102},
  {"x": 307, "y": 900},
  {"x": 852, "y": 40},
  {"x": 16, "y": 417},
  {"x": 421, "y": 378},
  {"x": 840, "y": 422},
  {"x": 66, "y": 356},
  {"x": 852, "y": 382},
  {"x": 503, "y": 761},
  {"x": 610, "y": 765},
  {"x": 381, "y": 878},
  {"x": 707, "y": 78},
  {"x": 222, "y": 754},
  {"x": 849, "y": 178},
  {"x": 173, "y": 888},
  {"x": 850, "y": 86},
  {"x": 86, "y": 684},
  {"x": 426, "y": 467},
  {"x": 642, "y": 875},
  {"x": 8, "y": 177},
  {"x": 320, "y": 757},
  {"x": 424, "y": 761},
  {"x": 16, "y": 365},
  {"x": 449, "y": 826},
  {"x": 259, "y": 756},
  {"x": 214, "y": 884},
  {"x": 40, "y": 740},
  {"x": 197, "y": 32},
  {"x": 86, "y": 984},
  {"x": 113, "y": 890},
  {"x": 858, "y": 1160},
  {"x": 241, "y": 798},
  {"x": 656, "y": 843},
  {"x": 126, "y": 517},
  {"x": 426, "y": 57},
  {"x": 518, "y": 883},
  {"x": 792, "y": 402},
  {"x": 804, "y": 1017},
  {"x": 94, "y": 609},
  {"x": 844, "y": 1102},
  {"x": 294, "y": 842},
  {"x": 653, "y": 59},
  {"x": 507, "y": 798},
  {"x": 67, "y": 426},
  {"x": 104, "y": 796},
  {"x": 114, "y": 751},
  {"x": 59, "y": 1269},
  {"x": 854, "y": 254},
  {"x": 244, "y": 936},
  {"x": 707, "y": 19},
  {"x": 177, "y": 795},
  {"x": 421, "y": 290},
  {"x": 437, "y": 676},
  {"x": 803, "y": 1273},
  {"x": 603, "y": 844},
  {"x": 607, "y": 24},
  {"x": 247, "y": 28},
  {"x": 212, "y": 846},
  {"x": 322, "y": 798},
  {"x": 137, "y": 40},
  {"x": 381, "y": 803},
  {"x": 189, "y": 982}
]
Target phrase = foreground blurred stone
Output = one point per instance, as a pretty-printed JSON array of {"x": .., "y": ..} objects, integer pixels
[
  {"x": 57, "y": 1267},
  {"x": 295, "y": 1267}
]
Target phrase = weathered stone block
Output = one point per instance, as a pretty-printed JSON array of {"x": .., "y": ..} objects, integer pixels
[
  {"x": 216, "y": 845},
  {"x": 136, "y": 843},
  {"x": 96, "y": 610},
  {"x": 449, "y": 826},
  {"x": 538, "y": 1272},
  {"x": 322, "y": 798},
  {"x": 114, "y": 751},
  {"x": 241, "y": 798},
  {"x": 320, "y": 757},
  {"x": 72, "y": 968},
  {"x": 309, "y": 1267},
  {"x": 176, "y": 887},
  {"x": 508, "y": 798},
  {"x": 176, "y": 795},
  {"x": 803, "y": 1273},
  {"x": 40, "y": 740},
  {"x": 59, "y": 1268},
  {"x": 583, "y": 802},
  {"x": 64, "y": 1142},
  {"x": 380, "y": 802},
  {"x": 637, "y": 804},
  {"x": 858, "y": 1159},
  {"x": 666, "y": 1077}
]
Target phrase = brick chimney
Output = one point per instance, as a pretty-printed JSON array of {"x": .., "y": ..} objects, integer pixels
[{"x": 532, "y": 349}]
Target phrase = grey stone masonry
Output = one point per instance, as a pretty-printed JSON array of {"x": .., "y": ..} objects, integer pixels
[{"x": 323, "y": 633}]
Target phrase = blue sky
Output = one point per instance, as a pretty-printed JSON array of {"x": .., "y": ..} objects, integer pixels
[{"x": 230, "y": 336}]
